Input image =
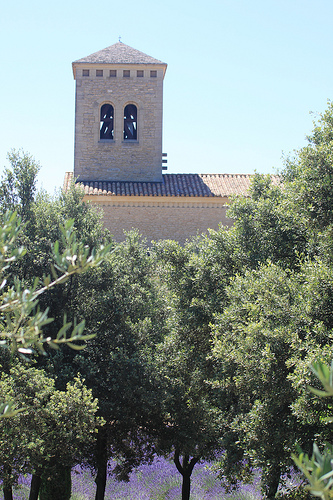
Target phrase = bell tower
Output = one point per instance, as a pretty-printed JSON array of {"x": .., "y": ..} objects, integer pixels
[{"x": 118, "y": 116}]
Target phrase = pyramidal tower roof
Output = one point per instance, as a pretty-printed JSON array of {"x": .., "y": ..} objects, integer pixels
[{"x": 119, "y": 53}]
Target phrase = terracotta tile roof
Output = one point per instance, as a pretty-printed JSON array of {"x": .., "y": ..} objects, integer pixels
[
  {"x": 178, "y": 185},
  {"x": 119, "y": 53}
]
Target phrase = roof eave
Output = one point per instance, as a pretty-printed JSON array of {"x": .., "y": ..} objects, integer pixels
[
  {"x": 107, "y": 197},
  {"x": 87, "y": 64}
]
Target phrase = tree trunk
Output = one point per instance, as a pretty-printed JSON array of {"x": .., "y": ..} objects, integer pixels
[
  {"x": 270, "y": 481},
  {"x": 102, "y": 463},
  {"x": 7, "y": 493},
  {"x": 186, "y": 486},
  {"x": 7, "y": 487},
  {"x": 185, "y": 470},
  {"x": 35, "y": 486},
  {"x": 56, "y": 484}
]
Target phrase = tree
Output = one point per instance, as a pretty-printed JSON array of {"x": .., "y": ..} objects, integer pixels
[
  {"x": 27, "y": 255},
  {"x": 192, "y": 426},
  {"x": 53, "y": 428},
  {"x": 21, "y": 323},
  {"x": 258, "y": 340},
  {"x": 274, "y": 328},
  {"x": 266, "y": 225},
  {"x": 193, "y": 410},
  {"x": 121, "y": 300},
  {"x": 310, "y": 173},
  {"x": 18, "y": 185},
  {"x": 307, "y": 177}
]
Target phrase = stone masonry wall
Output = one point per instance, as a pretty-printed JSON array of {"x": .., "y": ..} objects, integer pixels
[
  {"x": 163, "y": 221},
  {"x": 117, "y": 159}
]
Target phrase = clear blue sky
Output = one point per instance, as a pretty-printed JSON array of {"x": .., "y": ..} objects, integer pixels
[{"x": 242, "y": 76}]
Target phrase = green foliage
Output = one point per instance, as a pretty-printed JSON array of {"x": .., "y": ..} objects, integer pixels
[
  {"x": 54, "y": 428},
  {"x": 267, "y": 227},
  {"x": 311, "y": 173},
  {"x": 318, "y": 468},
  {"x": 318, "y": 471},
  {"x": 22, "y": 325},
  {"x": 9, "y": 409},
  {"x": 277, "y": 323},
  {"x": 189, "y": 349},
  {"x": 254, "y": 343},
  {"x": 193, "y": 410},
  {"x": 51, "y": 212},
  {"x": 125, "y": 314},
  {"x": 324, "y": 373},
  {"x": 22, "y": 322},
  {"x": 294, "y": 493},
  {"x": 18, "y": 185}
]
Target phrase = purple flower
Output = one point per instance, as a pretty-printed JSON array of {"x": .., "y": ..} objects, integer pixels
[{"x": 157, "y": 481}]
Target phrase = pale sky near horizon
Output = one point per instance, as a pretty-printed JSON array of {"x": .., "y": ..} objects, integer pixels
[{"x": 242, "y": 76}]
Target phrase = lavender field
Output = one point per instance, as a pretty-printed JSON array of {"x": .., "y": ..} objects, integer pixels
[{"x": 158, "y": 481}]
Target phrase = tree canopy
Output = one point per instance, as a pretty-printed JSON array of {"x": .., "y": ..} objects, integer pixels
[{"x": 201, "y": 351}]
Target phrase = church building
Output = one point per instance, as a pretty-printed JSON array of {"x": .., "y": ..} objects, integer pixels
[{"x": 118, "y": 157}]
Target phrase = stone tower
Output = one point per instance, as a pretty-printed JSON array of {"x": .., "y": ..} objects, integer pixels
[{"x": 118, "y": 116}]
